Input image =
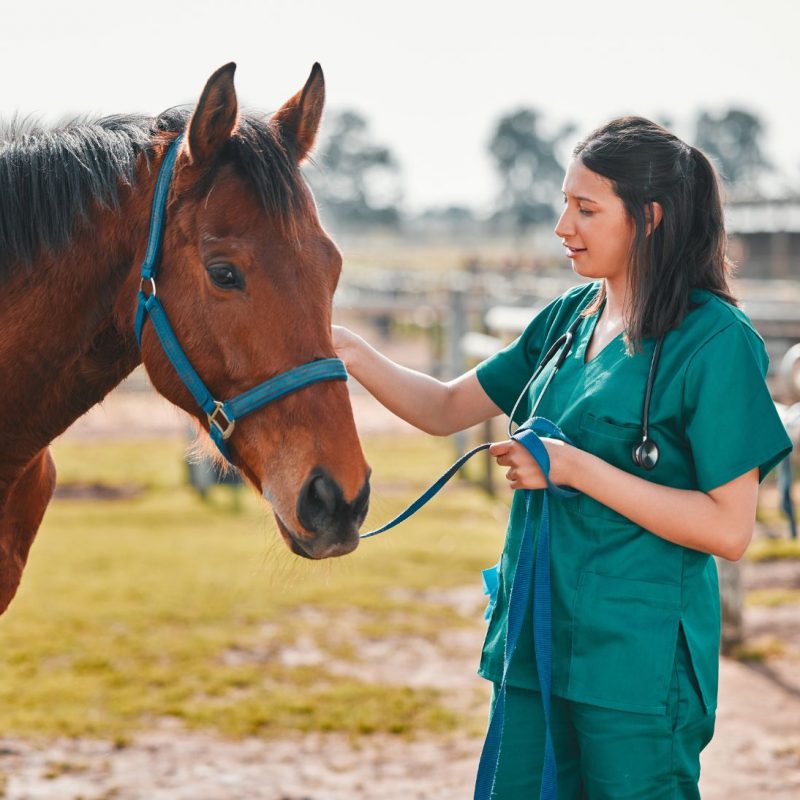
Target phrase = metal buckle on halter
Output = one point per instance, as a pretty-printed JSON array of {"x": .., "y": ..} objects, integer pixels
[
  {"x": 152, "y": 282},
  {"x": 230, "y": 424}
]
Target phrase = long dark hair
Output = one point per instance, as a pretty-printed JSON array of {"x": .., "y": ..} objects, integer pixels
[{"x": 647, "y": 164}]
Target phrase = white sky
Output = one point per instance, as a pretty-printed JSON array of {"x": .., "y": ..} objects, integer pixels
[{"x": 432, "y": 77}]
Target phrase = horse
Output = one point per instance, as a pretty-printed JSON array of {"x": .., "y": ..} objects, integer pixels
[{"x": 247, "y": 274}]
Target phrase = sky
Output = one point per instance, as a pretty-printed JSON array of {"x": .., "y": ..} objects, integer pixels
[{"x": 432, "y": 77}]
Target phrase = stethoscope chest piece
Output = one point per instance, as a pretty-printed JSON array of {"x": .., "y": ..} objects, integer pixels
[{"x": 645, "y": 454}]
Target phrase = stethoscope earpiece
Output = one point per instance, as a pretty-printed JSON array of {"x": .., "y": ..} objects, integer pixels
[{"x": 645, "y": 454}]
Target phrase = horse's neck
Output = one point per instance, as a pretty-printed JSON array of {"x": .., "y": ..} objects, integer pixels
[{"x": 65, "y": 341}]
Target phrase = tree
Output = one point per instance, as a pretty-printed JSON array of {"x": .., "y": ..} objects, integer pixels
[
  {"x": 358, "y": 180},
  {"x": 733, "y": 140},
  {"x": 529, "y": 168}
]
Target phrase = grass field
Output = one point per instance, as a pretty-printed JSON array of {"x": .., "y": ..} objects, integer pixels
[{"x": 164, "y": 606}]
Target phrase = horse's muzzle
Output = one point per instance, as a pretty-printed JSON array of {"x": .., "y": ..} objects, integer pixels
[{"x": 333, "y": 522}]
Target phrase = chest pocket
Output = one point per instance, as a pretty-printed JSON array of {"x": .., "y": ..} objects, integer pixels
[{"x": 613, "y": 442}]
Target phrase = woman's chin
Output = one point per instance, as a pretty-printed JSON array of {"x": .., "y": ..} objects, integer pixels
[{"x": 582, "y": 269}]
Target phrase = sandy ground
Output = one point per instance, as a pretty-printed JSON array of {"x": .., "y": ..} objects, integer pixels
[{"x": 755, "y": 754}]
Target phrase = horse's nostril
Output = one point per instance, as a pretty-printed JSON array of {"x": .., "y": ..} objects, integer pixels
[
  {"x": 320, "y": 503},
  {"x": 361, "y": 504},
  {"x": 322, "y": 493},
  {"x": 322, "y": 508}
]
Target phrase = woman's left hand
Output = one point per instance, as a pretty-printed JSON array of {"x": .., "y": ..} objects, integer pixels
[{"x": 523, "y": 471}]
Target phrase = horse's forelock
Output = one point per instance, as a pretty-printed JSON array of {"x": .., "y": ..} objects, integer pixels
[
  {"x": 50, "y": 178},
  {"x": 262, "y": 160}
]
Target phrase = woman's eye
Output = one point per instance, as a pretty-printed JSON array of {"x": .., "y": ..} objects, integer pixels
[
  {"x": 586, "y": 212},
  {"x": 226, "y": 276}
]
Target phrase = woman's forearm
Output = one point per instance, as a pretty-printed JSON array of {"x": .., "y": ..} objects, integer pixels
[
  {"x": 431, "y": 405},
  {"x": 419, "y": 399},
  {"x": 687, "y": 517}
]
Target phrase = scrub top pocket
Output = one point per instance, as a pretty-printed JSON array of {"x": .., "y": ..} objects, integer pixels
[
  {"x": 623, "y": 642},
  {"x": 613, "y": 442}
]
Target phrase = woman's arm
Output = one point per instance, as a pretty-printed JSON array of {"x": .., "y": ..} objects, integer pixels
[
  {"x": 719, "y": 522},
  {"x": 431, "y": 405}
]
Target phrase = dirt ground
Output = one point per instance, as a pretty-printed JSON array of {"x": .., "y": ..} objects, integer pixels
[{"x": 755, "y": 754}]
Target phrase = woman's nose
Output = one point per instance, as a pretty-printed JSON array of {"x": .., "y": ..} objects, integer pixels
[{"x": 564, "y": 226}]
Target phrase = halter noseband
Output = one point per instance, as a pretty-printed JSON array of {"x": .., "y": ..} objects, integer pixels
[{"x": 222, "y": 415}]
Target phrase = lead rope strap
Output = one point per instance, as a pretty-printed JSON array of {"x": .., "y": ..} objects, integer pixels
[
  {"x": 528, "y": 570},
  {"x": 430, "y": 492},
  {"x": 538, "y": 570},
  {"x": 543, "y": 642}
]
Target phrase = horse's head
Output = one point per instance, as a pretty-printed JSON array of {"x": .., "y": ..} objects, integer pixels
[{"x": 247, "y": 276}]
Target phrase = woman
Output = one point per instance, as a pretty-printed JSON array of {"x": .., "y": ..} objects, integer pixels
[{"x": 635, "y": 600}]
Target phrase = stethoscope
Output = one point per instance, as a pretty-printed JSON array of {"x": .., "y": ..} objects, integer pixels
[{"x": 645, "y": 453}]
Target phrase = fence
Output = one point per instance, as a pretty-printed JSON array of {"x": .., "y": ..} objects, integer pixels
[{"x": 467, "y": 318}]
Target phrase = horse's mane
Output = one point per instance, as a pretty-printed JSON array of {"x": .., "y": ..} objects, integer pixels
[{"x": 51, "y": 178}]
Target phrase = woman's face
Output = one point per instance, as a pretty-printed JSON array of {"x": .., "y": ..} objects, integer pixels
[{"x": 594, "y": 227}]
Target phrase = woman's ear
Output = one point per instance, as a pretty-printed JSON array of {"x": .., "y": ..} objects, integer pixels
[{"x": 653, "y": 214}]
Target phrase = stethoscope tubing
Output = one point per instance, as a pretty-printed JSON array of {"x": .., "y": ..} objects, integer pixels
[
  {"x": 564, "y": 342},
  {"x": 644, "y": 454}
]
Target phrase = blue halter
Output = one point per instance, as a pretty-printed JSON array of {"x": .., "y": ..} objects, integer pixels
[{"x": 222, "y": 415}]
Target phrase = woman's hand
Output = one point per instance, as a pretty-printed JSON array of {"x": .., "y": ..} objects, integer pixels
[
  {"x": 523, "y": 471},
  {"x": 345, "y": 343}
]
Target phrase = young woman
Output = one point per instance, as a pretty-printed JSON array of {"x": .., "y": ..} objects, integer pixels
[{"x": 635, "y": 600}]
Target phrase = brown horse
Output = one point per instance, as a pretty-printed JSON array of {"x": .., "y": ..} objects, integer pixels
[{"x": 247, "y": 275}]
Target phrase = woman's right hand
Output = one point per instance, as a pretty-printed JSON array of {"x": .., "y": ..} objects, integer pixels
[
  {"x": 345, "y": 343},
  {"x": 421, "y": 400}
]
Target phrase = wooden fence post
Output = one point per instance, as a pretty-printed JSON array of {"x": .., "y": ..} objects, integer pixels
[
  {"x": 457, "y": 327},
  {"x": 731, "y": 595}
]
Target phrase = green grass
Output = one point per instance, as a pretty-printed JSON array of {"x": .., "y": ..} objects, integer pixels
[
  {"x": 759, "y": 650},
  {"x": 161, "y": 605},
  {"x": 773, "y": 597},
  {"x": 773, "y": 549}
]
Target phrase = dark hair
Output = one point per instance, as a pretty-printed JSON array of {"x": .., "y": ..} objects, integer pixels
[{"x": 647, "y": 164}]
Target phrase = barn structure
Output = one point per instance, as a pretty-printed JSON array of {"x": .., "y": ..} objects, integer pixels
[{"x": 765, "y": 237}]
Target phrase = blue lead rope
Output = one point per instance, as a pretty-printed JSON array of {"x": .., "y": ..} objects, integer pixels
[
  {"x": 536, "y": 568},
  {"x": 429, "y": 493},
  {"x": 529, "y": 569}
]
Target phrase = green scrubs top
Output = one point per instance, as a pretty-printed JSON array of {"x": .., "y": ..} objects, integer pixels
[{"x": 619, "y": 592}]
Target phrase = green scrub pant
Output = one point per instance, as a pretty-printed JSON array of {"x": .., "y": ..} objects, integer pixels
[{"x": 604, "y": 754}]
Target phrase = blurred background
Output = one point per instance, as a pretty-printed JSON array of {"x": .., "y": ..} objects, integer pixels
[{"x": 164, "y": 644}]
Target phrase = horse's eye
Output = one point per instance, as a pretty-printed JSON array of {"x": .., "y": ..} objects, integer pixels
[{"x": 226, "y": 276}]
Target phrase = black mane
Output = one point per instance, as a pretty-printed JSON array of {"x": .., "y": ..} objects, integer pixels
[{"x": 50, "y": 178}]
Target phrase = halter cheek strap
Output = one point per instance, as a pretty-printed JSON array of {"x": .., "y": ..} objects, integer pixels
[{"x": 222, "y": 415}]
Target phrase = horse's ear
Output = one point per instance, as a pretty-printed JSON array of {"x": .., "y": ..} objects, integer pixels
[
  {"x": 214, "y": 118},
  {"x": 298, "y": 118}
]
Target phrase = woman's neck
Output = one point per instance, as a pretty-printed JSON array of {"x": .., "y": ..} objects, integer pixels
[{"x": 616, "y": 300}]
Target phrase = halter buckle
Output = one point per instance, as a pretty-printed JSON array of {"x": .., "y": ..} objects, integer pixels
[
  {"x": 152, "y": 282},
  {"x": 225, "y": 429}
]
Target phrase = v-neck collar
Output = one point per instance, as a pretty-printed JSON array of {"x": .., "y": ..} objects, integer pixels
[{"x": 589, "y": 331}]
